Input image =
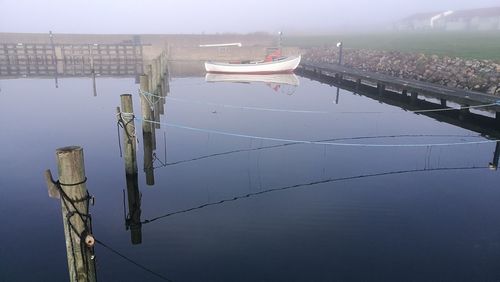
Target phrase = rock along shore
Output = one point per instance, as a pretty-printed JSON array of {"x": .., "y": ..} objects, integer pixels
[{"x": 471, "y": 74}]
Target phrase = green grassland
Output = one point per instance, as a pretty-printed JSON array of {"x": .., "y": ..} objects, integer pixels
[{"x": 475, "y": 45}]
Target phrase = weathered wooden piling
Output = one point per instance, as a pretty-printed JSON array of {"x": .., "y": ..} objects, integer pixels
[
  {"x": 147, "y": 132},
  {"x": 338, "y": 78},
  {"x": 147, "y": 111},
  {"x": 463, "y": 112},
  {"x": 129, "y": 138},
  {"x": 380, "y": 88},
  {"x": 157, "y": 105},
  {"x": 443, "y": 102},
  {"x": 358, "y": 83},
  {"x": 72, "y": 190},
  {"x": 413, "y": 97},
  {"x": 158, "y": 73},
  {"x": 149, "y": 72},
  {"x": 161, "y": 108},
  {"x": 94, "y": 86},
  {"x": 154, "y": 72}
]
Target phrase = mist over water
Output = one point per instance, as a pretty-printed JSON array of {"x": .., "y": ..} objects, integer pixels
[
  {"x": 281, "y": 177},
  {"x": 193, "y": 16}
]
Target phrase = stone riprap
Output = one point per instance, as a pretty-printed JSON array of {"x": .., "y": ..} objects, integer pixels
[{"x": 470, "y": 74}]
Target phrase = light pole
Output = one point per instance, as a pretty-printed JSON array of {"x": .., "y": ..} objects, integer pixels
[
  {"x": 339, "y": 45},
  {"x": 281, "y": 38}
]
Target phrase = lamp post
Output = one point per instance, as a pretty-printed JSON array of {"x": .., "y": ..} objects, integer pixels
[
  {"x": 339, "y": 45},
  {"x": 281, "y": 38}
]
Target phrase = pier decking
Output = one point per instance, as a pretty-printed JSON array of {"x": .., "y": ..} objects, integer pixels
[
  {"x": 404, "y": 93},
  {"x": 342, "y": 73}
]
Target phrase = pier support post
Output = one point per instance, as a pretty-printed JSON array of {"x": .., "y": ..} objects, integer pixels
[
  {"x": 380, "y": 88},
  {"x": 404, "y": 92},
  {"x": 358, "y": 84},
  {"x": 464, "y": 112},
  {"x": 413, "y": 97},
  {"x": 443, "y": 102},
  {"x": 72, "y": 190},
  {"x": 338, "y": 78}
]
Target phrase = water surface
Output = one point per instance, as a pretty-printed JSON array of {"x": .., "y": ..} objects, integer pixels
[{"x": 292, "y": 212}]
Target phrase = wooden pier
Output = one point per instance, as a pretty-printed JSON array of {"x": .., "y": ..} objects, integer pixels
[
  {"x": 45, "y": 59},
  {"x": 405, "y": 93},
  {"x": 383, "y": 82}
]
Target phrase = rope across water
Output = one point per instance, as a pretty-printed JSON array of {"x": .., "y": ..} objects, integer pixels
[{"x": 225, "y": 133}]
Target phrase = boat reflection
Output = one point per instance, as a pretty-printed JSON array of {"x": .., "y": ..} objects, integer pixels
[{"x": 282, "y": 78}]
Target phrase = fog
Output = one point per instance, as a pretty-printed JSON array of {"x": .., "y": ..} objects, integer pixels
[{"x": 197, "y": 16}]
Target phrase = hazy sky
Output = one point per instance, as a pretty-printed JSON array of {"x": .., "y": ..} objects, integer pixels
[{"x": 210, "y": 16}]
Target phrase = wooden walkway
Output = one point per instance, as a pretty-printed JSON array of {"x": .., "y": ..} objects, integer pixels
[
  {"x": 459, "y": 96},
  {"x": 351, "y": 80}
]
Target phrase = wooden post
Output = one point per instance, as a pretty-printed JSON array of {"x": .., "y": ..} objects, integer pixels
[
  {"x": 154, "y": 72},
  {"x": 160, "y": 100},
  {"x": 404, "y": 92},
  {"x": 358, "y": 84},
  {"x": 147, "y": 132},
  {"x": 443, "y": 102},
  {"x": 156, "y": 110},
  {"x": 94, "y": 87},
  {"x": 167, "y": 84},
  {"x": 149, "y": 72},
  {"x": 337, "y": 97},
  {"x": 380, "y": 88},
  {"x": 463, "y": 112},
  {"x": 413, "y": 97},
  {"x": 147, "y": 111},
  {"x": 129, "y": 138},
  {"x": 158, "y": 73},
  {"x": 74, "y": 201}
]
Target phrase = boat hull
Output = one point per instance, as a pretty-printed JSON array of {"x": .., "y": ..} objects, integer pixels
[{"x": 287, "y": 65}]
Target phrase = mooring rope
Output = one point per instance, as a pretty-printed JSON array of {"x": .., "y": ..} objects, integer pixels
[
  {"x": 496, "y": 103},
  {"x": 121, "y": 123},
  {"x": 165, "y": 164},
  {"x": 132, "y": 261},
  {"x": 86, "y": 219},
  {"x": 309, "y": 141},
  {"x": 231, "y": 106}
]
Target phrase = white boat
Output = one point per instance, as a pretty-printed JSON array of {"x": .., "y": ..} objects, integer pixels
[
  {"x": 278, "y": 65},
  {"x": 277, "y": 78}
]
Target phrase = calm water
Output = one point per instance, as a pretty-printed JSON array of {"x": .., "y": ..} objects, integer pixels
[{"x": 297, "y": 212}]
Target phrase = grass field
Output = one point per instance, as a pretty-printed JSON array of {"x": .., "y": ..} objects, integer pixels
[{"x": 477, "y": 45}]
